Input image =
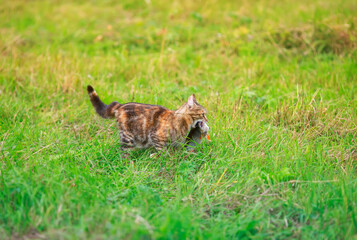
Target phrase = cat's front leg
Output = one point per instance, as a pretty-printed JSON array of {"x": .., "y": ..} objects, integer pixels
[
  {"x": 157, "y": 141},
  {"x": 160, "y": 145},
  {"x": 125, "y": 150},
  {"x": 159, "y": 148}
]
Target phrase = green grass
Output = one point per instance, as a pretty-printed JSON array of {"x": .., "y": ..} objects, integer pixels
[{"x": 279, "y": 82}]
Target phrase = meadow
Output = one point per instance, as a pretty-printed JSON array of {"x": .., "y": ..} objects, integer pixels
[{"x": 279, "y": 82}]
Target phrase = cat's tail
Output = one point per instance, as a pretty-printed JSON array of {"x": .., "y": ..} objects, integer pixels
[{"x": 105, "y": 111}]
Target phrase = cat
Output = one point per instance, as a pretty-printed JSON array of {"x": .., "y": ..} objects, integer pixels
[
  {"x": 145, "y": 125},
  {"x": 196, "y": 135}
]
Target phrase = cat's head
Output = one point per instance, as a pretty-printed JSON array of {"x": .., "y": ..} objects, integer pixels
[{"x": 194, "y": 109}]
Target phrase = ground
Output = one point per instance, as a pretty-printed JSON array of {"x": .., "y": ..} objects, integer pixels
[{"x": 279, "y": 82}]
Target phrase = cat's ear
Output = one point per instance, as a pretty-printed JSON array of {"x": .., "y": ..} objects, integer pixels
[{"x": 191, "y": 100}]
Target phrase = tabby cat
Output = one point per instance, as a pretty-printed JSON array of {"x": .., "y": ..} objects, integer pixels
[{"x": 144, "y": 125}]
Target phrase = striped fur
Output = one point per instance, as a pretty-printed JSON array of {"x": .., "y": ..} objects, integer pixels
[{"x": 144, "y": 125}]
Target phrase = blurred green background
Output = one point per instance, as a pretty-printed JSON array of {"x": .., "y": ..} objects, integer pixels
[{"x": 278, "y": 79}]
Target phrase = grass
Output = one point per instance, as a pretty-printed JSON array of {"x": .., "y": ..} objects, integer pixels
[{"x": 279, "y": 81}]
